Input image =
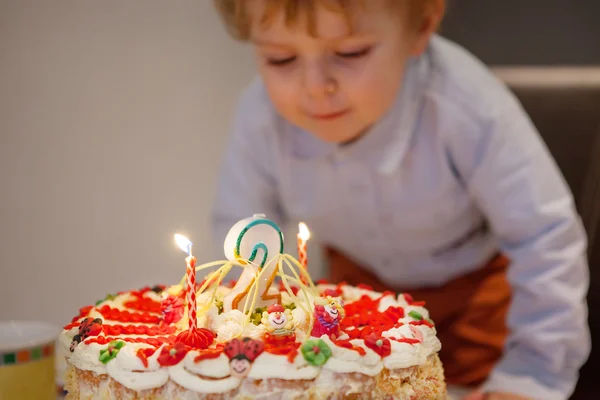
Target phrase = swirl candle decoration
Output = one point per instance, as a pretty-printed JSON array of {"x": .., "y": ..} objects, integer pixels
[{"x": 243, "y": 243}]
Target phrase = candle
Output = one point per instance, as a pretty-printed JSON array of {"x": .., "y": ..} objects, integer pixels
[
  {"x": 303, "y": 236},
  {"x": 190, "y": 274},
  {"x": 194, "y": 337},
  {"x": 254, "y": 242}
]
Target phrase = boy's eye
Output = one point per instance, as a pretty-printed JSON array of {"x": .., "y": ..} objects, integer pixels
[
  {"x": 354, "y": 54},
  {"x": 279, "y": 62}
]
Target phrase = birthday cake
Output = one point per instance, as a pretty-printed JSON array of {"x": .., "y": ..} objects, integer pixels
[{"x": 272, "y": 334}]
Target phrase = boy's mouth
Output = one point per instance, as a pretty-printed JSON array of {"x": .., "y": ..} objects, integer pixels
[{"x": 329, "y": 116}]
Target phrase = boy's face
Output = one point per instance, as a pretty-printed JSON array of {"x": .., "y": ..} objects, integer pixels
[{"x": 339, "y": 83}]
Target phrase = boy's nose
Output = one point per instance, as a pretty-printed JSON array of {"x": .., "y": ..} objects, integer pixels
[{"x": 318, "y": 81}]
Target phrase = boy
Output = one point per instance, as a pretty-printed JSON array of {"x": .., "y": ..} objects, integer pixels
[{"x": 419, "y": 171}]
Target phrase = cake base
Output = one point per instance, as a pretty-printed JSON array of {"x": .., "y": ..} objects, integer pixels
[{"x": 419, "y": 382}]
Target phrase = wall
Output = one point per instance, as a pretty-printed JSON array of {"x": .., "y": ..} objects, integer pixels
[{"x": 113, "y": 116}]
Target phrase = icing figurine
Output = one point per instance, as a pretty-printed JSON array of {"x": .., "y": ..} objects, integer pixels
[
  {"x": 280, "y": 325},
  {"x": 88, "y": 327},
  {"x": 278, "y": 320},
  {"x": 329, "y": 311},
  {"x": 241, "y": 354}
]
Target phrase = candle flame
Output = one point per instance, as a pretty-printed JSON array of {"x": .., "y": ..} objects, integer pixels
[
  {"x": 184, "y": 243},
  {"x": 303, "y": 231}
]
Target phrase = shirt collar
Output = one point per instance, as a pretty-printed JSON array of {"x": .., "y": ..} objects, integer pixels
[{"x": 385, "y": 144}]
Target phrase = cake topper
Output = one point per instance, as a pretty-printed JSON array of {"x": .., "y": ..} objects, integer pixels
[
  {"x": 243, "y": 243},
  {"x": 241, "y": 354},
  {"x": 329, "y": 312}
]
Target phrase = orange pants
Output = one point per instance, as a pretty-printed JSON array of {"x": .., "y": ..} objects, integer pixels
[{"x": 469, "y": 313}]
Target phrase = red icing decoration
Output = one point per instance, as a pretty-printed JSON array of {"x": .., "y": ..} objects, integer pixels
[
  {"x": 332, "y": 292},
  {"x": 209, "y": 354},
  {"x": 290, "y": 350},
  {"x": 172, "y": 309},
  {"x": 379, "y": 345},
  {"x": 422, "y": 322},
  {"x": 158, "y": 341},
  {"x": 172, "y": 355},
  {"x": 347, "y": 345},
  {"x": 198, "y": 338},
  {"x": 144, "y": 304},
  {"x": 358, "y": 323},
  {"x": 143, "y": 355},
  {"x": 279, "y": 340},
  {"x": 406, "y": 340},
  {"x": 114, "y": 314},
  {"x": 250, "y": 348},
  {"x": 275, "y": 308}
]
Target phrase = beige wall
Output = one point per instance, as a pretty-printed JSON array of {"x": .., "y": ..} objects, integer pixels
[{"x": 113, "y": 117}]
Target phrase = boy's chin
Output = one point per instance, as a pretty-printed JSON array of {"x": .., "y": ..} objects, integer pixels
[
  {"x": 341, "y": 138},
  {"x": 343, "y": 134}
]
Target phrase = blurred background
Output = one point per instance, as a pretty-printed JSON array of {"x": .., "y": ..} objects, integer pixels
[{"x": 114, "y": 115}]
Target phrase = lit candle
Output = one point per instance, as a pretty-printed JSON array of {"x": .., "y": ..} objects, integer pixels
[
  {"x": 194, "y": 337},
  {"x": 303, "y": 236},
  {"x": 190, "y": 289}
]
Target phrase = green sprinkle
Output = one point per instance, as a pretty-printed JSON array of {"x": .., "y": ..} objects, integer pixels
[
  {"x": 415, "y": 315},
  {"x": 290, "y": 306}
]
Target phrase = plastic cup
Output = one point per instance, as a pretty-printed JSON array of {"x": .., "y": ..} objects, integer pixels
[{"x": 27, "y": 360}]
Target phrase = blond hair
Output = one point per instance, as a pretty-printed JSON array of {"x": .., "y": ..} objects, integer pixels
[{"x": 238, "y": 23}]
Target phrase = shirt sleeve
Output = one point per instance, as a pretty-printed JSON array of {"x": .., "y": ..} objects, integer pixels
[
  {"x": 246, "y": 183},
  {"x": 518, "y": 186}
]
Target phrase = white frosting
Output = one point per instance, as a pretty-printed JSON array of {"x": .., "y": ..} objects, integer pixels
[
  {"x": 210, "y": 367},
  {"x": 269, "y": 365},
  {"x": 405, "y": 355},
  {"x": 230, "y": 324},
  {"x": 386, "y": 302},
  {"x": 345, "y": 360},
  {"x": 369, "y": 359},
  {"x": 127, "y": 369},
  {"x": 352, "y": 293},
  {"x": 430, "y": 339},
  {"x": 402, "y": 300},
  {"x": 421, "y": 310},
  {"x": 85, "y": 357},
  {"x": 183, "y": 377}
]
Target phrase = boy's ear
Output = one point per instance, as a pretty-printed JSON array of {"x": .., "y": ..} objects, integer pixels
[{"x": 432, "y": 18}]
